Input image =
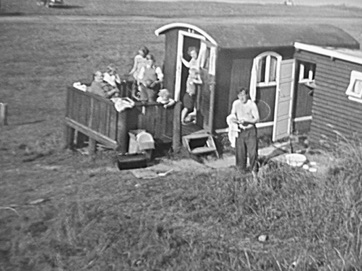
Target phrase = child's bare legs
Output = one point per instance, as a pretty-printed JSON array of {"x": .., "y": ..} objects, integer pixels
[{"x": 184, "y": 113}]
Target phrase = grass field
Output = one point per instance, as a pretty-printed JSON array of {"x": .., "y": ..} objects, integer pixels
[{"x": 61, "y": 210}]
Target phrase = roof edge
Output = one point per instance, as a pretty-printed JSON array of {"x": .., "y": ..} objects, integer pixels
[
  {"x": 166, "y": 27},
  {"x": 327, "y": 52}
]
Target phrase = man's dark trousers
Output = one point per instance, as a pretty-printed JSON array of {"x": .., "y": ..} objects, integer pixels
[{"x": 247, "y": 145}]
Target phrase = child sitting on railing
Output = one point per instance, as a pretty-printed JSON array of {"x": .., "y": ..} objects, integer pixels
[
  {"x": 164, "y": 98},
  {"x": 111, "y": 76}
]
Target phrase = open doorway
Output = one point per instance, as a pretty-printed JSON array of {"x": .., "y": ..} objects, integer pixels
[{"x": 206, "y": 59}]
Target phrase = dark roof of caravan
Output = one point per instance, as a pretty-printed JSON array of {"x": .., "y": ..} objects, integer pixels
[{"x": 236, "y": 35}]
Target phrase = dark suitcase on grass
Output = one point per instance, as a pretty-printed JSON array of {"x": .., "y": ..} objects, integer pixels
[{"x": 130, "y": 161}]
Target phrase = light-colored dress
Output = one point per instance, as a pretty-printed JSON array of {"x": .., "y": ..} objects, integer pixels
[{"x": 139, "y": 63}]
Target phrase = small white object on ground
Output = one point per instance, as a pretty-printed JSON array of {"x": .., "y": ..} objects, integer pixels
[{"x": 262, "y": 238}]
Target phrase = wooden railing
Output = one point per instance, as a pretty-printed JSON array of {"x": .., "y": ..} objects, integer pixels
[{"x": 97, "y": 118}]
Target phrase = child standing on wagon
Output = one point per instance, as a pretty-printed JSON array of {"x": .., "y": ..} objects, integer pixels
[
  {"x": 189, "y": 98},
  {"x": 192, "y": 80},
  {"x": 139, "y": 62},
  {"x": 193, "y": 63}
]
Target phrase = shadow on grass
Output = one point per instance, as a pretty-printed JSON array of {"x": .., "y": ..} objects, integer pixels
[
  {"x": 67, "y": 7},
  {"x": 11, "y": 13},
  {"x": 28, "y": 122}
]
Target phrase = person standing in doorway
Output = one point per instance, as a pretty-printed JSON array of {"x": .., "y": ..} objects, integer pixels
[
  {"x": 244, "y": 115},
  {"x": 192, "y": 82},
  {"x": 193, "y": 63},
  {"x": 188, "y": 101}
]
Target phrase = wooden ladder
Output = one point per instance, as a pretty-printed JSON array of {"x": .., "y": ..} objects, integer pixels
[{"x": 200, "y": 144}]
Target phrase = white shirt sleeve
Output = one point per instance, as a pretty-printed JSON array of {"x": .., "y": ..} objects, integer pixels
[{"x": 159, "y": 73}]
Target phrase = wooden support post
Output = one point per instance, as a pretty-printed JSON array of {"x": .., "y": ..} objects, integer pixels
[
  {"x": 176, "y": 135},
  {"x": 122, "y": 132},
  {"x": 92, "y": 146},
  {"x": 69, "y": 133},
  {"x": 3, "y": 114}
]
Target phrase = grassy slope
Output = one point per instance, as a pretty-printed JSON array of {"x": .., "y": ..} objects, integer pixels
[{"x": 97, "y": 219}]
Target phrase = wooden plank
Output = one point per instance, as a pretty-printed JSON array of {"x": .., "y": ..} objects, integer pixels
[
  {"x": 91, "y": 113},
  {"x": 67, "y": 103},
  {"x": 176, "y": 137},
  {"x": 168, "y": 121},
  {"x": 72, "y": 102},
  {"x": 69, "y": 137},
  {"x": 158, "y": 123},
  {"x": 91, "y": 133},
  {"x": 3, "y": 114},
  {"x": 76, "y": 105},
  {"x": 103, "y": 118},
  {"x": 333, "y": 110},
  {"x": 96, "y": 117},
  {"x": 87, "y": 109},
  {"x": 113, "y": 125},
  {"x": 81, "y": 111},
  {"x": 108, "y": 121},
  {"x": 92, "y": 146},
  {"x": 122, "y": 132}
]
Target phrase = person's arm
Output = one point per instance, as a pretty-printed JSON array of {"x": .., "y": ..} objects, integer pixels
[
  {"x": 170, "y": 103},
  {"x": 117, "y": 78},
  {"x": 185, "y": 62},
  {"x": 255, "y": 113},
  {"x": 159, "y": 79},
  {"x": 107, "y": 78},
  {"x": 253, "y": 117},
  {"x": 159, "y": 74},
  {"x": 111, "y": 92},
  {"x": 234, "y": 117}
]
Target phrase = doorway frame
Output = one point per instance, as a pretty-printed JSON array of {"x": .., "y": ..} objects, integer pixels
[{"x": 180, "y": 47}]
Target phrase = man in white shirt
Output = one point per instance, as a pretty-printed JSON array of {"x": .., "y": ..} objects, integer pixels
[{"x": 245, "y": 114}]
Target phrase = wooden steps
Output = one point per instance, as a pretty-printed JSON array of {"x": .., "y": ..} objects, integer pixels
[{"x": 200, "y": 143}]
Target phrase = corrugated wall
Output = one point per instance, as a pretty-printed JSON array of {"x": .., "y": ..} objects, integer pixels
[{"x": 331, "y": 109}]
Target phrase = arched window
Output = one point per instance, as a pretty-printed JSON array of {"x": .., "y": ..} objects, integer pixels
[{"x": 267, "y": 68}]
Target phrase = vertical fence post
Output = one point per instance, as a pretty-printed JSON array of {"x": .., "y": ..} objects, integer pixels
[
  {"x": 68, "y": 137},
  {"x": 122, "y": 132},
  {"x": 3, "y": 114},
  {"x": 176, "y": 135}
]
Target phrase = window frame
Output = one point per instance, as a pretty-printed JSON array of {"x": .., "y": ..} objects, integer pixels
[
  {"x": 311, "y": 74},
  {"x": 355, "y": 76},
  {"x": 268, "y": 55}
]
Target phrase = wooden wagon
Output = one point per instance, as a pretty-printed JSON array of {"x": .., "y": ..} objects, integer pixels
[
  {"x": 95, "y": 119},
  {"x": 337, "y": 103},
  {"x": 259, "y": 56}
]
